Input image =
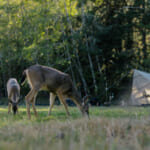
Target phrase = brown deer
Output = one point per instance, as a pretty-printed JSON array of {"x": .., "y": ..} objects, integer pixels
[
  {"x": 13, "y": 91},
  {"x": 56, "y": 83}
]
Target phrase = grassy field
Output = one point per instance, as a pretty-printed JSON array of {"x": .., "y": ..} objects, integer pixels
[{"x": 109, "y": 128}]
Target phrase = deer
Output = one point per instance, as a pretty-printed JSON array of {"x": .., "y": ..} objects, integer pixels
[
  {"x": 57, "y": 83},
  {"x": 13, "y": 91}
]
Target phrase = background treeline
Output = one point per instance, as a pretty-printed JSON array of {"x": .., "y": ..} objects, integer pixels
[{"x": 98, "y": 42}]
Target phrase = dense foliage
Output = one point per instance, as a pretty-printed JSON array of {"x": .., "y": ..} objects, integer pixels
[{"x": 98, "y": 42}]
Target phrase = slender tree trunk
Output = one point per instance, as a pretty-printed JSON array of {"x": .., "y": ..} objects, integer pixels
[
  {"x": 78, "y": 64},
  {"x": 87, "y": 48},
  {"x": 98, "y": 64},
  {"x": 68, "y": 56},
  {"x": 91, "y": 66},
  {"x": 47, "y": 46},
  {"x": 9, "y": 48},
  {"x": 3, "y": 75},
  {"x": 144, "y": 49}
]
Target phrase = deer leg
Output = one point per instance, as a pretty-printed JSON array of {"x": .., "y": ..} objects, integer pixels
[
  {"x": 17, "y": 109},
  {"x": 9, "y": 108},
  {"x": 33, "y": 106},
  {"x": 52, "y": 100},
  {"x": 28, "y": 99},
  {"x": 62, "y": 99}
]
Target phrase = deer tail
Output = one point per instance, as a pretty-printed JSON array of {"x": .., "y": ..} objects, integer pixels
[{"x": 23, "y": 78}]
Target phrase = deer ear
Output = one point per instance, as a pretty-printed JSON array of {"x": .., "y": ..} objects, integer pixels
[{"x": 85, "y": 99}]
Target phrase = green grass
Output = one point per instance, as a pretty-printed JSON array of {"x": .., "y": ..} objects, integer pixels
[
  {"x": 58, "y": 113},
  {"x": 109, "y": 128}
]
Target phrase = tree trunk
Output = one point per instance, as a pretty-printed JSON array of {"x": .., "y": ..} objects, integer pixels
[
  {"x": 3, "y": 76},
  {"x": 87, "y": 48},
  {"x": 98, "y": 64},
  {"x": 79, "y": 67},
  {"x": 144, "y": 49},
  {"x": 91, "y": 66}
]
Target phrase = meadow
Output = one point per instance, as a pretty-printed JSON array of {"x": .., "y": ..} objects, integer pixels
[{"x": 109, "y": 128}]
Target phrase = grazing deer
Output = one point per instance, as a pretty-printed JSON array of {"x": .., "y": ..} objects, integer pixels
[
  {"x": 56, "y": 83},
  {"x": 13, "y": 91}
]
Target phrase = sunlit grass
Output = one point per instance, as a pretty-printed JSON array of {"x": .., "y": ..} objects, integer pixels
[
  {"x": 109, "y": 128},
  {"x": 58, "y": 113}
]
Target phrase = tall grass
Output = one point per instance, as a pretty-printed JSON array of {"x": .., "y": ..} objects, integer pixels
[{"x": 112, "y": 128}]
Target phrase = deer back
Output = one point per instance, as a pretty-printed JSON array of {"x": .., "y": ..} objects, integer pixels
[{"x": 47, "y": 78}]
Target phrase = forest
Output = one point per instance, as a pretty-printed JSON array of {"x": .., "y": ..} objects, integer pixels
[{"x": 97, "y": 42}]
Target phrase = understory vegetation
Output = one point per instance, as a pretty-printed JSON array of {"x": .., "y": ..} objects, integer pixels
[{"x": 109, "y": 128}]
